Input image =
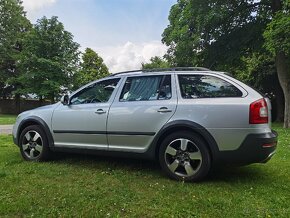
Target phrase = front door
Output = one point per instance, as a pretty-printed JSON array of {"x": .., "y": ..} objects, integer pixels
[{"x": 83, "y": 122}]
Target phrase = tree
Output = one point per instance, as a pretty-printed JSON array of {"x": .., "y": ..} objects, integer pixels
[
  {"x": 221, "y": 34},
  {"x": 50, "y": 58},
  {"x": 212, "y": 33},
  {"x": 277, "y": 37},
  {"x": 259, "y": 71},
  {"x": 13, "y": 26},
  {"x": 92, "y": 68},
  {"x": 156, "y": 62}
]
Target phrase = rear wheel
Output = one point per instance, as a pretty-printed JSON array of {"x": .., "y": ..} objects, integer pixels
[
  {"x": 184, "y": 156},
  {"x": 34, "y": 144}
]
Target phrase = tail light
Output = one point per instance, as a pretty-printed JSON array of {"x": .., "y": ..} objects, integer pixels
[{"x": 259, "y": 112}]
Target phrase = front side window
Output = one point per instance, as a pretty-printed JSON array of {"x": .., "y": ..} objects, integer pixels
[
  {"x": 146, "y": 88},
  {"x": 98, "y": 92},
  {"x": 203, "y": 86}
]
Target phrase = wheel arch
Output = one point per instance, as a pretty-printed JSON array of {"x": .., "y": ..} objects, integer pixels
[
  {"x": 33, "y": 120},
  {"x": 184, "y": 125}
]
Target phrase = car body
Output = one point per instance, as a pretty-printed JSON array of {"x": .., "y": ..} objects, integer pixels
[{"x": 190, "y": 119}]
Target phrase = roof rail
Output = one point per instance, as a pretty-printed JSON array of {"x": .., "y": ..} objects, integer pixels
[
  {"x": 164, "y": 69},
  {"x": 177, "y": 69},
  {"x": 131, "y": 71}
]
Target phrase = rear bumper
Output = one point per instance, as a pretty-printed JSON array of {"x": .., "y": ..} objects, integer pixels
[{"x": 256, "y": 148}]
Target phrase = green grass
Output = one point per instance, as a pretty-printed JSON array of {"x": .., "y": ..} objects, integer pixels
[
  {"x": 78, "y": 185},
  {"x": 6, "y": 119}
]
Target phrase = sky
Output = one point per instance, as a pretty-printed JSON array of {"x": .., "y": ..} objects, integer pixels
[{"x": 124, "y": 33}]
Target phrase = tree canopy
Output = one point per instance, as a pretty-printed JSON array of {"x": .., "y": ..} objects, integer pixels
[
  {"x": 41, "y": 59},
  {"x": 214, "y": 33},
  {"x": 13, "y": 27},
  {"x": 156, "y": 62},
  {"x": 92, "y": 68},
  {"x": 49, "y": 59}
]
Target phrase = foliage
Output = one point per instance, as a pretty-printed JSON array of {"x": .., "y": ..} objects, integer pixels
[
  {"x": 156, "y": 62},
  {"x": 13, "y": 26},
  {"x": 259, "y": 71},
  {"x": 277, "y": 34},
  {"x": 277, "y": 41},
  {"x": 88, "y": 186},
  {"x": 91, "y": 68},
  {"x": 214, "y": 33},
  {"x": 49, "y": 60}
]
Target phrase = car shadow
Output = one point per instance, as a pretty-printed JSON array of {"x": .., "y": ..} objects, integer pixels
[
  {"x": 98, "y": 161},
  {"x": 245, "y": 174},
  {"x": 227, "y": 174}
]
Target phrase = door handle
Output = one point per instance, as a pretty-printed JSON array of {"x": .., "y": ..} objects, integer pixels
[
  {"x": 100, "y": 111},
  {"x": 164, "y": 110}
]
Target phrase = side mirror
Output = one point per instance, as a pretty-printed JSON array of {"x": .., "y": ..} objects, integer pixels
[{"x": 64, "y": 100}]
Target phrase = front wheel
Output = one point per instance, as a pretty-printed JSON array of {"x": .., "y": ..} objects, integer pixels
[
  {"x": 184, "y": 156},
  {"x": 34, "y": 144}
]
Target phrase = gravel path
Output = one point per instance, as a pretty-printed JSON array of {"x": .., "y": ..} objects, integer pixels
[{"x": 6, "y": 129}]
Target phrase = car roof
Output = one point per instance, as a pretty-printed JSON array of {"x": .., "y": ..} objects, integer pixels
[{"x": 179, "y": 70}]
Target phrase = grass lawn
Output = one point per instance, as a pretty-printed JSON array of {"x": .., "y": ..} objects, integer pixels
[
  {"x": 78, "y": 185},
  {"x": 6, "y": 119}
]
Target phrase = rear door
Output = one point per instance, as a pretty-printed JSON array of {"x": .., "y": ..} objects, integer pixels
[{"x": 140, "y": 109}]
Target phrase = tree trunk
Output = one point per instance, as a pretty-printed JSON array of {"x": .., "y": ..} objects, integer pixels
[
  {"x": 17, "y": 103},
  {"x": 279, "y": 104},
  {"x": 282, "y": 64},
  {"x": 40, "y": 101},
  {"x": 52, "y": 99}
]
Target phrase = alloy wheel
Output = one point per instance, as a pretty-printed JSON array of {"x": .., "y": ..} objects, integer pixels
[
  {"x": 183, "y": 157},
  {"x": 32, "y": 144}
]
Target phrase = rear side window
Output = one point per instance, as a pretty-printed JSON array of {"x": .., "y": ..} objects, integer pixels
[
  {"x": 203, "y": 86},
  {"x": 146, "y": 88}
]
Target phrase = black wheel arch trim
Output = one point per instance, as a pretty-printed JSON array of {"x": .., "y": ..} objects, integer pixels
[
  {"x": 39, "y": 122},
  {"x": 213, "y": 147}
]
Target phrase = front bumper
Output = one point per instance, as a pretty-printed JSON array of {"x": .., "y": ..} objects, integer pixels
[
  {"x": 256, "y": 148},
  {"x": 15, "y": 140},
  {"x": 14, "y": 132}
]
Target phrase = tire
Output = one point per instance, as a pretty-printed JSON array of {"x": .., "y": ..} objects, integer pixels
[
  {"x": 184, "y": 156},
  {"x": 33, "y": 144}
]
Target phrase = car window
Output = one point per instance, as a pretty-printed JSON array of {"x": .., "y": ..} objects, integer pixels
[
  {"x": 98, "y": 92},
  {"x": 146, "y": 88},
  {"x": 205, "y": 86}
]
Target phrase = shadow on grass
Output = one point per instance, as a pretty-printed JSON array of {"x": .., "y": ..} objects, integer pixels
[
  {"x": 244, "y": 174},
  {"x": 228, "y": 174},
  {"x": 95, "y": 161}
]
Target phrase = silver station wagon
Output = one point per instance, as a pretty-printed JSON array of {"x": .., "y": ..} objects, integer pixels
[{"x": 189, "y": 119}]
